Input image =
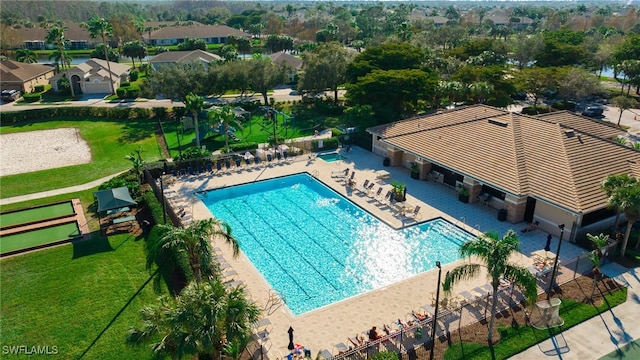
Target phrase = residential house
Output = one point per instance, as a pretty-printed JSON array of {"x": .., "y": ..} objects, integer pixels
[
  {"x": 289, "y": 61},
  {"x": 79, "y": 38},
  {"x": 546, "y": 168},
  {"x": 182, "y": 57},
  {"x": 438, "y": 21},
  {"x": 22, "y": 76},
  {"x": 92, "y": 76},
  {"x": 173, "y": 35}
]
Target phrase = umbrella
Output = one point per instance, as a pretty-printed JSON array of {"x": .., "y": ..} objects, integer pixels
[
  {"x": 248, "y": 156},
  {"x": 547, "y": 247},
  {"x": 283, "y": 147},
  {"x": 290, "y": 346}
]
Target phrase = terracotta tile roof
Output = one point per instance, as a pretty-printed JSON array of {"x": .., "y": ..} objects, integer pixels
[
  {"x": 197, "y": 31},
  {"x": 184, "y": 56},
  {"x": 13, "y": 71},
  {"x": 521, "y": 155},
  {"x": 74, "y": 32},
  {"x": 590, "y": 126}
]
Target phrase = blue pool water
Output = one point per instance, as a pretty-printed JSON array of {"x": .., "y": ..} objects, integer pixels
[
  {"x": 331, "y": 157},
  {"x": 315, "y": 247}
]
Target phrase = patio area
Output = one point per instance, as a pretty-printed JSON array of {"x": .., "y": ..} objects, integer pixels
[{"x": 334, "y": 324}]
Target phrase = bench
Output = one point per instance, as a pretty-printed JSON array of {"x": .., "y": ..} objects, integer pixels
[
  {"x": 114, "y": 211},
  {"x": 123, "y": 220}
]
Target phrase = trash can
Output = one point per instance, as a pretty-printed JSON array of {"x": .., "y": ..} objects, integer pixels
[
  {"x": 502, "y": 215},
  {"x": 386, "y": 161}
]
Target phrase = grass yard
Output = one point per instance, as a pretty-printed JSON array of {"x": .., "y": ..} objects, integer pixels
[
  {"x": 37, "y": 237},
  {"x": 110, "y": 141},
  {"x": 80, "y": 297},
  {"x": 36, "y": 214}
]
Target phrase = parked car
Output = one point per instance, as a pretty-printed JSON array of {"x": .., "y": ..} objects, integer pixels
[
  {"x": 10, "y": 95},
  {"x": 593, "y": 110}
]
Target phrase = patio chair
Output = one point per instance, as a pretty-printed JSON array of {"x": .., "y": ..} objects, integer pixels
[
  {"x": 375, "y": 195},
  {"x": 363, "y": 188},
  {"x": 269, "y": 158},
  {"x": 218, "y": 166},
  {"x": 415, "y": 214},
  {"x": 209, "y": 167},
  {"x": 238, "y": 164},
  {"x": 227, "y": 164},
  {"x": 484, "y": 199},
  {"x": 278, "y": 156}
]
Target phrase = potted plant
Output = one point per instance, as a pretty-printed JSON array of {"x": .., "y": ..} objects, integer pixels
[
  {"x": 463, "y": 194},
  {"x": 399, "y": 190},
  {"x": 415, "y": 171}
]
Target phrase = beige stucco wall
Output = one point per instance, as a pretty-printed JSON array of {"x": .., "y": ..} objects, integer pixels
[{"x": 550, "y": 216}]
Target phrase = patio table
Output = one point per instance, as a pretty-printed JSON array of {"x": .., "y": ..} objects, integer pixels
[{"x": 382, "y": 175}]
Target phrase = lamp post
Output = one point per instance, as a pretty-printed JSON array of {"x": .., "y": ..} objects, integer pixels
[
  {"x": 435, "y": 313},
  {"x": 555, "y": 263}
]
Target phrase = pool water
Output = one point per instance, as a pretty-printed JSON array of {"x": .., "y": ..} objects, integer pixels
[
  {"x": 315, "y": 247},
  {"x": 331, "y": 157}
]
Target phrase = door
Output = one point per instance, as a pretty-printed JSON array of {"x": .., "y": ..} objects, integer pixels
[{"x": 530, "y": 209}]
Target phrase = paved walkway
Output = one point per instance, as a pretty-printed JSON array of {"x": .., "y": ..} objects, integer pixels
[
  {"x": 53, "y": 192},
  {"x": 602, "y": 334}
]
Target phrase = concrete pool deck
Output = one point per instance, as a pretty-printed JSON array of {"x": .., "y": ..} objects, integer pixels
[{"x": 333, "y": 324}]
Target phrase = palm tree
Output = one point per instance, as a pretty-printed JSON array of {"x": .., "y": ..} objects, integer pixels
[
  {"x": 598, "y": 241},
  {"x": 628, "y": 200},
  {"x": 225, "y": 115},
  {"x": 194, "y": 104},
  {"x": 137, "y": 161},
  {"x": 494, "y": 253},
  {"x": 56, "y": 57},
  {"x": 101, "y": 27},
  {"x": 56, "y": 36},
  {"x": 194, "y": 242},
  {"x": 610, "y": 185},
  {"x": 204, "y": 320},
  {"x": 26, "y": 56}
]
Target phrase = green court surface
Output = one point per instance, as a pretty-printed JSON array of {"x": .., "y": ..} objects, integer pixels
[
  {"x": 629, "y": 351},
  {"x": 39, "y": 237},
  {"x": 36, "y": 214}
]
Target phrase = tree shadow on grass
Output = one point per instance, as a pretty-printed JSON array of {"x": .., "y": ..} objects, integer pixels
[
  {"x": 115, "y": 317},
  {"x": 94, "y": 244}
]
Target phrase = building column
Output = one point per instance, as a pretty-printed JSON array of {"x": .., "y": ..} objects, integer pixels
[
  {"x": 515, "y": 207},
  {"x": 425, "y": 167},
  {"x": 474, "y": 188},
  {"x": 395, "y": 155}
]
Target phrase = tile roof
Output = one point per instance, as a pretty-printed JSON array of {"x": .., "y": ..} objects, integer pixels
[
  {"x": 184, "y": 56},
  {"x": 13, "y": 71},
  {"x": 561, "y": 162},
  {"x": 290, "y": 60},
  {"x": 74, "y": 32},
  {"x": 196, "y": 31}
]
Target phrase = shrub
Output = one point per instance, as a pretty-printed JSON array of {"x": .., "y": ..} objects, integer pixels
[
  {"x": 14, "y": 117},
  {"x": 121, "y": 92},
  {"x": 385, "y": 355},
  {"x": 38, "y": 88},
  {"x": 132, "y": 93},
  {"x": 243, "y": 146},
  {"x": 149, "y": 199},
  {"x": 530, "y": 110},
  {"x": 125, "y": 84},
  {"x": 133, "y": 75},
  {"x": 63, "y": 86},
  {"x": 32, "y": 97},
  {"x": 331, "y": 143}
]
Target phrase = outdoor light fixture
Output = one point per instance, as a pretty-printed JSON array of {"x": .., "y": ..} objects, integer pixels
[
  {"x": 552, "y": 281},
  {"x": 435, "y": 314}
]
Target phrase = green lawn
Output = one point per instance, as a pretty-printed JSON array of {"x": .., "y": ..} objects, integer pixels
[
  {"x": 516, "y": 339},
  {"x": 36, "y": 214},
  {"x": 110, "y": 141},
  {"x": 80, "y": 297},
  {"x": 37, "y": 237}
]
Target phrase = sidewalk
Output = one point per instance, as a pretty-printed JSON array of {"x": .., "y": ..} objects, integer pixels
[
  {"x": 53, "y": 192},
  {"x": 602, "y": 334}
]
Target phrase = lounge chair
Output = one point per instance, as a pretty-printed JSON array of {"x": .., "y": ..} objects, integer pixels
[
  {"x": 340, "y": 173},
  {"x": 363, "y": 188},
  {"x": 218, "y": 166},
  {"x": 210, "y": 167},
  {"x": 375, "y": 195},
  {"x": 415, "y": 214},
  {"x": 269, "y": 158},
  {"x": 227, "y": 164},
  {"x": 341, "y": 348},
  {"x": 247, "y": 162},
  {"x": 285, "y": 155},
  {"x": 238, "y": 164},
  {"x": 484, "y": 199},
  {"x": 278, "y": 156},
  {"x": 257, "y": 161}
]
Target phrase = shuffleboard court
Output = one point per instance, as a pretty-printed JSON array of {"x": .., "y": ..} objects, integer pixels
[
  {"x": 36, "y": 214},
  {"x": 38, "y": 237}
]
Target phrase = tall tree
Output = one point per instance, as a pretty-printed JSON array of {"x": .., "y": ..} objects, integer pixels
[
  {"x": 194, "y": 242},
  {"x": 55, "y": 36},
  {"x": 494, "y": 253},
  {"x": 627, "y": 198},
  {"x": 225, "y": 116},
  {"x": 194, "y": 104},
  {"x": 623, "y": 103},
  {"x": 26, "y": 56},
  {"x": 176, "y": 81},
  {"x": 201, "y": 322},
  {"x": 99, "y": 27},
  {"x": 133, "y": 50},
  {"x": 266, "y": 75},
  {"x": 324, "y": 68},
  {"x": 610, "y": 185}
]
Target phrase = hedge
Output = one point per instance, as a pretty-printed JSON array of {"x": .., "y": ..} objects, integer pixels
[
  {"x": 13, "y": 117},
  {"x": 243, "y": 146},
  {"x": 31, "y": 98},
  {"x": 327, "y": 144}
]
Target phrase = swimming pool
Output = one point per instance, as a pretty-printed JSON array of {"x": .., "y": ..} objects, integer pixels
[
  {"x": 331, "y": 157},
  {"x": 315, "y": 247}
]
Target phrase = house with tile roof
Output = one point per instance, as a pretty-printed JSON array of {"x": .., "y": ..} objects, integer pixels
[
  {"x": 546, "y": 168},
  {"x": 22, "y": 76},
  {"x": 291, "y": 62},
  {"x": 92, "y": 76},
  {"x": 183, "y": 57},
  {"x": 173, "y": 35},
  {"x": 79, "y": 38}
]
